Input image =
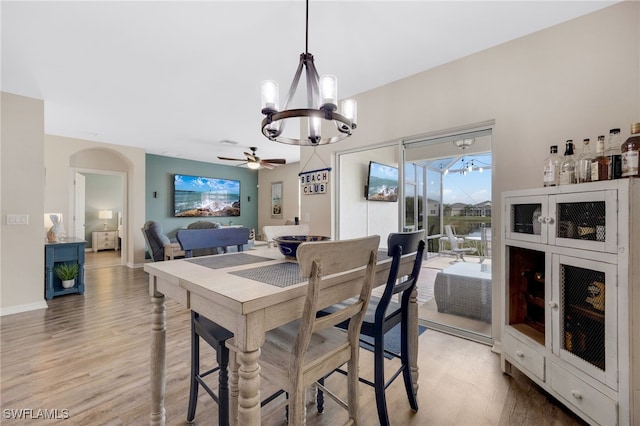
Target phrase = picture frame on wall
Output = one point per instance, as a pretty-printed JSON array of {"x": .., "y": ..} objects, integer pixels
[{"x": 276, "y": 199}]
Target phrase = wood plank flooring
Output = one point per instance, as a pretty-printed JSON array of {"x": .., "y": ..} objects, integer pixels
[{"x": 90, "y": 355}]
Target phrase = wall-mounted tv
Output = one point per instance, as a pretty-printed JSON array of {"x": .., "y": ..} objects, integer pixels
[
  {"x": 203, "y": 196},
  {"x": 382, "y": 183}
]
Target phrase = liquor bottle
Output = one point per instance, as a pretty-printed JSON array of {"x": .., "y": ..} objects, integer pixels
[
  {"x": 587, "y": 225},
  {"x": 631, "y": 153},
  {"x": 568, "y": 167},
  {"x": 551, "y": 174},
  {"x": 613, "y": 153},
  {"x": 583, "y": 165},
  {"x": 600, "y": 164}
]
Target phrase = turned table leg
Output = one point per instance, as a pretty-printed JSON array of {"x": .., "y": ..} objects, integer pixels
[
  {"x": 158, "y": 358},
  {"x": 249, "y": 387}
]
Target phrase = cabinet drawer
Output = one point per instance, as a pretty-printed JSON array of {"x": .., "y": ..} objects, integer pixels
[
  {"x": 587, "y": 399},
  {"x": 524, "y": 356}
]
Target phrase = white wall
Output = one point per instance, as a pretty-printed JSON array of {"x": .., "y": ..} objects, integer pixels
[
  {"x": 22, "y": 192},
  {"x": 359, "y": 217},
  {"x": 62, "y": 154},
  {"x": 288, "y": 175},
  {"x": 572, "y": 81}
]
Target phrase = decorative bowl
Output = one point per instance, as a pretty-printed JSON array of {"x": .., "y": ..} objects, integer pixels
[{"x": 288, "y": 244}]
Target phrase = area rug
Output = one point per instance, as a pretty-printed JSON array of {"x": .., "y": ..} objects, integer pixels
[{"x": 391, "y": 340}]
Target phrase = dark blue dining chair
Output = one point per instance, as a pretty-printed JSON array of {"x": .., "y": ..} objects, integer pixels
[{"x": 383, "y": 314}]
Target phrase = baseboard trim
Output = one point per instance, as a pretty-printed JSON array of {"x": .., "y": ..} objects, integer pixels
[{"x": 23, "y": 308}]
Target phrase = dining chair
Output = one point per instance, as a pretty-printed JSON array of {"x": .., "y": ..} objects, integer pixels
[
  {"x": 383, "y": 314},
  {"x": 456, "y": 245},
  {"x": 216, "y": 336},
  {"x": 298, "y": 354}
]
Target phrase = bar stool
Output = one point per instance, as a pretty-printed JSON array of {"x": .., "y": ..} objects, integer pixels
[
  {"x": 382, "y": 315},
  {"x": 216, "y": 336}
]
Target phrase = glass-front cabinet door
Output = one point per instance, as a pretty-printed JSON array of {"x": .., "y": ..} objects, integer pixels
[
  {"x": 583, "y": 302},
  {"x": 525, "y": 218},
  {"x": 584, "y": 220}
]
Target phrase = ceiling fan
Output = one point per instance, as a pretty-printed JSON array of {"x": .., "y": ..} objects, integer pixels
[{"x": 254, "y": 162}]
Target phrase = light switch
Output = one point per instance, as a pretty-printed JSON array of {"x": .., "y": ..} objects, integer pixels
[{"x": 17, "y": 219}]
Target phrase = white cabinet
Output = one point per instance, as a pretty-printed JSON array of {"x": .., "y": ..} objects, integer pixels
[
  {"x": 104, "y": 240},
  {"x": 570, "y": 283}
]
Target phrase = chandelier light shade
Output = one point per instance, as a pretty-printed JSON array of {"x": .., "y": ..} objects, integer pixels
[{"x": 322, "y": 104}]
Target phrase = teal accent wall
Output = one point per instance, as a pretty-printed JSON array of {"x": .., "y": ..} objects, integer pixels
[{"x": 159, "y": 179}]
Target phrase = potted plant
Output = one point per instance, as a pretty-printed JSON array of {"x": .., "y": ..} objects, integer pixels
[{"x": 67, "y": 272}]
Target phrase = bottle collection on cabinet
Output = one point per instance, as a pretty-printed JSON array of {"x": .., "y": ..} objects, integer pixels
[{"x": 613, "y": 160}]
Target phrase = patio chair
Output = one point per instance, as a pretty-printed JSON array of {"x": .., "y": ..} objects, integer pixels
[{"x": 456, "y": 245}]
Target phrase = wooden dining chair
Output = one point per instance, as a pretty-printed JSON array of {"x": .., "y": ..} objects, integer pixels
[
  {"x": 295, "y": 355},
  {"x": 383, "y": 314}
]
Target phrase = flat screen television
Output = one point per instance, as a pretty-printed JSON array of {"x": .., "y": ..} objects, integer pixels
[
  {"x": 382, "y": 183},
  {"x": 195, "y": 196}
]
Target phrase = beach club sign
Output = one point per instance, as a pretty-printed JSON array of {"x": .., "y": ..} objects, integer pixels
[{"x": 314, "y": 181}]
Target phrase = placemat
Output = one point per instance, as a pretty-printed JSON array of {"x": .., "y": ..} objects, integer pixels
[
  {"x": 228, "y": 261},
  {"x": 281, "y": 274}
]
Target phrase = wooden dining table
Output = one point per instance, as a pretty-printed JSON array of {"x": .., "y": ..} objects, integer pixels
[{"x": 249, "y": 293}]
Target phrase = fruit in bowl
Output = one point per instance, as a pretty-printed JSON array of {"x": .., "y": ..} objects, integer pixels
[{"x": 288, "y": 244}]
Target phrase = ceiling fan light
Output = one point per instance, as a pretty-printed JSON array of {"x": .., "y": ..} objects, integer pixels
[
  {"x": 270, "y": 96},
  {"x": 253, "y": 165}
]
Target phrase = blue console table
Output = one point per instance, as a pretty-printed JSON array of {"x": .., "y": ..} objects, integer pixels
[{"x": 71, "y": 250}]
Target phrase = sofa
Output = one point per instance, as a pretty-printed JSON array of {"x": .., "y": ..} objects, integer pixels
[{"x": 194, "y": 241}]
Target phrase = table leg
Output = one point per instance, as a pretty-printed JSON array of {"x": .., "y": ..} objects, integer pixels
[
  {"x": 158, "y": 358},
  {"x": 249, "y": 387}
]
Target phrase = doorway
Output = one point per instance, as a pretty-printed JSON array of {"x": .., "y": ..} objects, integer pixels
[
  {"x": 447, "y": 192},
  {"x": 99, "y": 206}
]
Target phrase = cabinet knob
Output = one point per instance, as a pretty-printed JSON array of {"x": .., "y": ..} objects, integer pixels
[
  {"x": 519, "y": 354},
  {"x": 541, "y": 219},
  {"x": 576, "y": 394},
  {"x": 548, "y": 220},
  {"x": 553, "y": 305}
]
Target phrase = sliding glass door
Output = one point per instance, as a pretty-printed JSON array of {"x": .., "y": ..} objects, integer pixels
[{"x": 447, "y": 187}]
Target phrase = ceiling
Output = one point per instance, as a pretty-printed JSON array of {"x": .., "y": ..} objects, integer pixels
[{"x": 178, "y": 77}]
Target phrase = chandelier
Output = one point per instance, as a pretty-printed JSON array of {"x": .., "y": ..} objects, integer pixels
[{"x": 322, "y": 98}]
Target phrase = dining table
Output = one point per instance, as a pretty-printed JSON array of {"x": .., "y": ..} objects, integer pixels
[{"x": 249, "y": 293}]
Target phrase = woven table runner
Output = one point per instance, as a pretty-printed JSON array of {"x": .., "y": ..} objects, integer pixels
[
  {"x": 228, "y": 261},
  {"x": 280, "y": 274}
]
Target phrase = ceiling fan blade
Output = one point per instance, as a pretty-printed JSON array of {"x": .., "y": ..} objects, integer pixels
[
  {"x": 267, "y": 165},
  {"x": 232, "y": 159},
  {"x": 276, "y": 161}
]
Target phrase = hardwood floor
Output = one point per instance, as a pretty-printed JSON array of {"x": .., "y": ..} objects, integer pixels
[{"x": 90, "y": 355}]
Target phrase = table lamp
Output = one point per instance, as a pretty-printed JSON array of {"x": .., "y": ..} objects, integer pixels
[{"x": 105, "y": 214}]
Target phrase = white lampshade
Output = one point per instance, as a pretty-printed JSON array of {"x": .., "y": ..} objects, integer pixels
[
  {"x": 350, "y": 110},
  {"x": 328, "y": 91},
  {"x": 105, "y": 214},
  {"x": 270, "y": 95},
  {"x": 253, "y": 165}
]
